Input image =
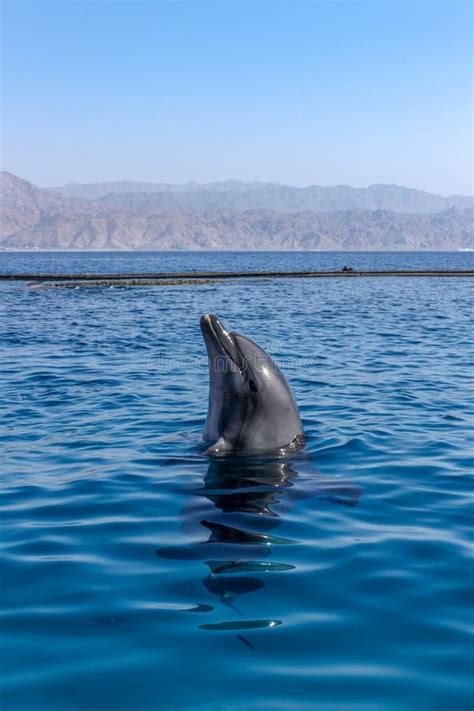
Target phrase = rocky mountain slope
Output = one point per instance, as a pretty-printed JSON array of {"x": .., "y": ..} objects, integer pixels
[{"x": 32, "y": 218}]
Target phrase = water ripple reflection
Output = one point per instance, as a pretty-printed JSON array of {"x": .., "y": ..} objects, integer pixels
[{"x": 340, "y": 578}]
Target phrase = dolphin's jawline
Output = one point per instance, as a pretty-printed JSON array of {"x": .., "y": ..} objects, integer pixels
[{"x": 212, "y": 327}]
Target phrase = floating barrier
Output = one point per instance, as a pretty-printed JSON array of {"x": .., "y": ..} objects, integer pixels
[{"x": 173, "y": 278}]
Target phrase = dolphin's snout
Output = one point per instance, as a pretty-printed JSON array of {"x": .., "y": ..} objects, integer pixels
[
  {"x": 216, "y": 336},
  {"x": 205, "y": 321},
  {"x": 207, "y": 325},
  {"x": 211, "y": 322}
]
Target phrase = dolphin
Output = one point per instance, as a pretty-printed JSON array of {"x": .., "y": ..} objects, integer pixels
[{"x": 251, "y": 407}]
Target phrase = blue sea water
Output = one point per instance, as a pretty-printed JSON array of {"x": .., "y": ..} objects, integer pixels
[
  {"x": 137, "y": 575},
  {"x": 121, "y": 261}
]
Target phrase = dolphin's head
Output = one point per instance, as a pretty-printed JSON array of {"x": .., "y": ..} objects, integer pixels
[{"x": 251, "y": 407}]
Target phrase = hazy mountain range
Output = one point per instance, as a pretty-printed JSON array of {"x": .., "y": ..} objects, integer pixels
[
  {"x": 230, "y": 215},
  {"x": 236, "y": 195}
]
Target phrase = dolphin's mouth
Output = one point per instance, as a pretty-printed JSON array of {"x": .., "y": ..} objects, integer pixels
[{"x": 219, "y": 341}]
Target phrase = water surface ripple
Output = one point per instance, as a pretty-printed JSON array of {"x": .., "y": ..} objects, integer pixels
[{"x": 137, "y": 575}]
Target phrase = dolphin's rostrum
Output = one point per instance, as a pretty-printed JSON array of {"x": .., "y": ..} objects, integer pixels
[{"x": 251, "y": 406}]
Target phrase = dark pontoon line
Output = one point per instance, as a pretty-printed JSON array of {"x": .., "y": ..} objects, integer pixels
[{"x": 197, "y": 276}]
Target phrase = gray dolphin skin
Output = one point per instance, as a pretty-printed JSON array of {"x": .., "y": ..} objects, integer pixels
[{"x": 251, "y": 407}]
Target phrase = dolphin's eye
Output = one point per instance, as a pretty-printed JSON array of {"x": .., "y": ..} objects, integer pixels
[{"x": 253, "y": 386}]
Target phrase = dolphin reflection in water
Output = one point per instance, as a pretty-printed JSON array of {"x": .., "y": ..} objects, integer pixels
[
  {"x": 257, "y": 471},
  {"x": 233, "y": 519}
]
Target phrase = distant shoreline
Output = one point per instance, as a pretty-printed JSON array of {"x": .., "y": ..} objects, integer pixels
[{"x": 265, "y": 218}]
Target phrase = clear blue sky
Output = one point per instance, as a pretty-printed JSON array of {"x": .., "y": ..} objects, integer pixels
[{"x": 302, "y": 93}]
